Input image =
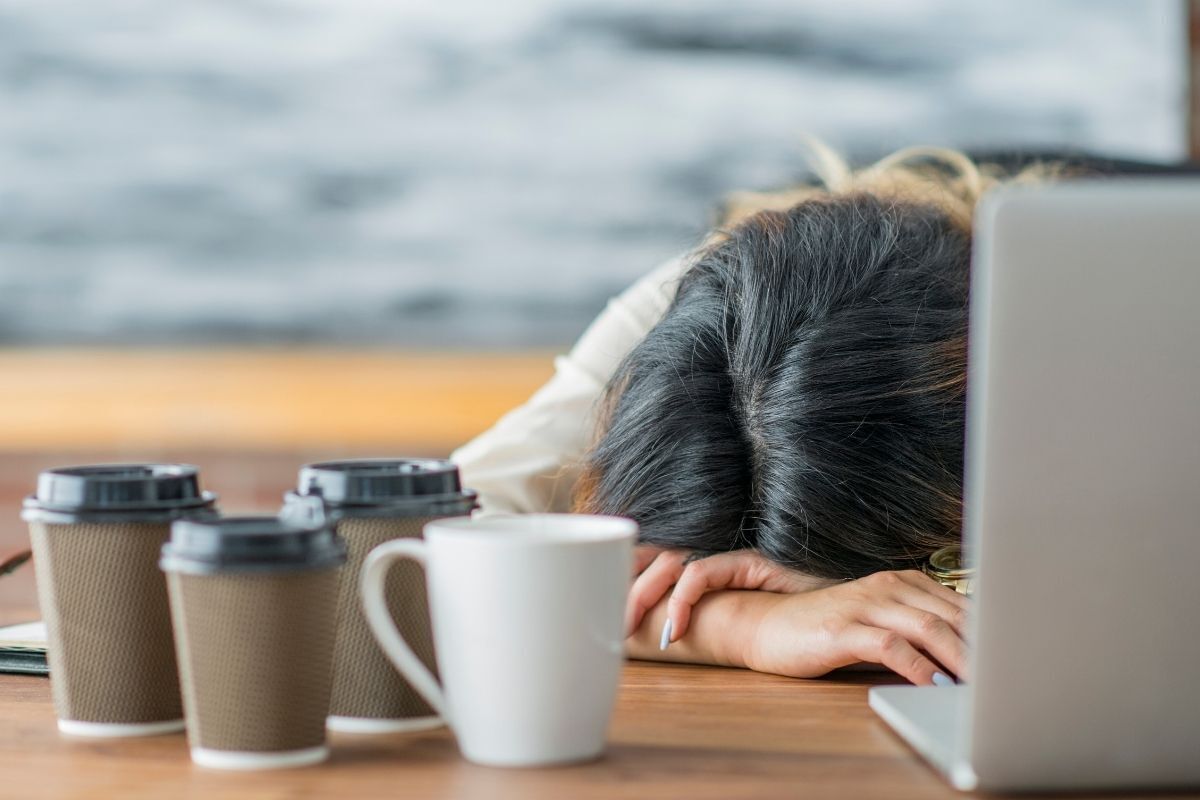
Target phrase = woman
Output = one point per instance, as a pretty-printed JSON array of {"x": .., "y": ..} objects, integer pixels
[{"x": 783, "y": 410}]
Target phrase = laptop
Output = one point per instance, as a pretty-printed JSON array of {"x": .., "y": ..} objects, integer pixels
[{"x": 1082, "y": 497}]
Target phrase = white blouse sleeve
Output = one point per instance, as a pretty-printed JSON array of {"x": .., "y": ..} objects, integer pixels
[{"x": 530, "y": 459}]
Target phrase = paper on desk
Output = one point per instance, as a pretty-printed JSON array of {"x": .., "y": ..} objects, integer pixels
[{"x": 27, "y": 636}]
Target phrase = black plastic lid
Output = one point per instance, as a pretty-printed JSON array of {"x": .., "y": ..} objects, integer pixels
[
  {"x": 250, "y": 544},
  {"x": 156, "y": 490},
  {"x": 380, "y": 482}
]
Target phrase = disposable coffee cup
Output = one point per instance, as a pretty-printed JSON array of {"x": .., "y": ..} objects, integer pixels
[
  {"x": 373, "y": 501},
  {"x": 254, "y": 600},
  {"x": 96, "y": 533},
  {"x": 528, "y": 616}
]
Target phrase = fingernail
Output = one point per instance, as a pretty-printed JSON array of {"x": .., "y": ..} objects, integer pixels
[
  {"x": 938, "y": 678},
  {"x": 666, "y": 635}
]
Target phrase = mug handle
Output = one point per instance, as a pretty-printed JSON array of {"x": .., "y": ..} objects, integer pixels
[{"x": 379, "y": 618}]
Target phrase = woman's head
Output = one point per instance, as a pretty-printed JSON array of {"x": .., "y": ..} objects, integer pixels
[{"x": 805, "y": 393}]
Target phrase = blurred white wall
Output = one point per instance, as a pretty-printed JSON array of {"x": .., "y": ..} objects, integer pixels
[{"x": 483, "y": 174}]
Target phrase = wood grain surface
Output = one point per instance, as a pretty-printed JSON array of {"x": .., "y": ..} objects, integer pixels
[
  {"x": 685, "y": 732},
  {"x": 678, "y": 732},
  {"x": 692, "y": 733}
]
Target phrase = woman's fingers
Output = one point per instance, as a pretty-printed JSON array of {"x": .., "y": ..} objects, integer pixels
[
  {"x": 737, "y": 569},
  {"x": 934, "y": 603},
  {"x": 660, "y": 569},
  {"x": 922, "y": 629},
  {"x": 919, "y": 580},
  {"x": 705, "y": 575},
  {"x": 887, "y": 647},
  {"x": 643, "y": 556},
  {"x": 654, "y": 582}
]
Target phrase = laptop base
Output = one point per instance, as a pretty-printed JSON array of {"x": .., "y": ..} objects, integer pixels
[{"x": 932, "y": 719}]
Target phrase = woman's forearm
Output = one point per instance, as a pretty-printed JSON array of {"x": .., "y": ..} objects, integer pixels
[{"x": 722, "y": 630}]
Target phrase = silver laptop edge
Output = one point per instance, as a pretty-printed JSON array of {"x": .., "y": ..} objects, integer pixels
[
  {"x": 1082, "y": 497},
  {"x": 931, "y": 720}
]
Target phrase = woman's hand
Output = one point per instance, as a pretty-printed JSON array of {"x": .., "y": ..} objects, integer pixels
[
  {"x": 902, "y": 620},
  {"x": 658, "y": 570}
]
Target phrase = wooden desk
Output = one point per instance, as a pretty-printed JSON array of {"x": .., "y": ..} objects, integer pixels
[
  {"x": 688, "y": 732},
  {"x": 678, "y": 732}
]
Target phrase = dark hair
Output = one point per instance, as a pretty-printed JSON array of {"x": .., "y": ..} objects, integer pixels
[{"x": 803, "y": 395}]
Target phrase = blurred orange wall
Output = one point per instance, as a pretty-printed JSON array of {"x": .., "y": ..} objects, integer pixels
[{"x": 261, "y": 400}]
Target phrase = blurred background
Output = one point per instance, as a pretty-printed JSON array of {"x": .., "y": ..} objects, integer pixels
[
  {"x": 249, "y": 233},
  {"x": 473, "y": 174}
]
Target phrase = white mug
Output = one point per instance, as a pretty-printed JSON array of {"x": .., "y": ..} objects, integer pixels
[{"x": 528, "y": 616}]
